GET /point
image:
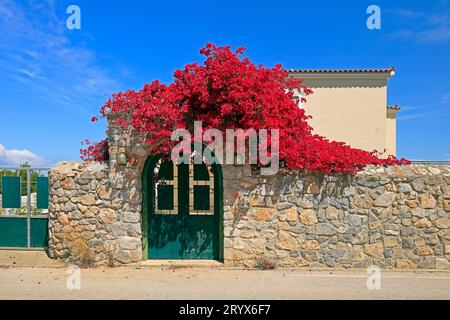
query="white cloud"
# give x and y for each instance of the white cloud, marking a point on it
(38, 53)
(425, 28)
(403, 12)
(435, 35)
(415, 112)
(446, 98)
(440, 34)
(17, 157)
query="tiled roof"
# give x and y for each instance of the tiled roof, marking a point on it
(342, 70)
(396, 107)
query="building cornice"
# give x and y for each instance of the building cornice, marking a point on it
(343, 73)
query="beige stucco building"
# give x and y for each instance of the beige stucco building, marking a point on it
(351, 106)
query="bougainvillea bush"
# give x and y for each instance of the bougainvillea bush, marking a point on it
(95, 151)
(228, 91)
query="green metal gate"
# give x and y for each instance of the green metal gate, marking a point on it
(23, 208)
(183, 210)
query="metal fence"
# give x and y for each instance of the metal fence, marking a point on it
(23, 207)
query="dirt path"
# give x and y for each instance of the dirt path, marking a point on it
(204, 283)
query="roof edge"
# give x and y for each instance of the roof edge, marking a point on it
(393, 108)
(385, 70)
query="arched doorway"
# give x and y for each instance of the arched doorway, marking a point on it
(182, 210)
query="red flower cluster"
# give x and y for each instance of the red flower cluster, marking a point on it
(230, 92)
(95, 151)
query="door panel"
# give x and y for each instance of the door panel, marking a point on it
(38, 232)
(183, 222)
(165, 237)
(201, 238)
(13, 232)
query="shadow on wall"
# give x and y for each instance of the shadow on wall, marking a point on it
(347, 83)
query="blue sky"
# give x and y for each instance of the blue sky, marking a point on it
(52, 79)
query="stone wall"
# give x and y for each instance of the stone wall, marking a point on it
(396, 217)
(88, 218)
(95, 209)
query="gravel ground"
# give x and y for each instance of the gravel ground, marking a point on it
(213, 283)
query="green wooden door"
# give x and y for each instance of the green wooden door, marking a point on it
(184, 212)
